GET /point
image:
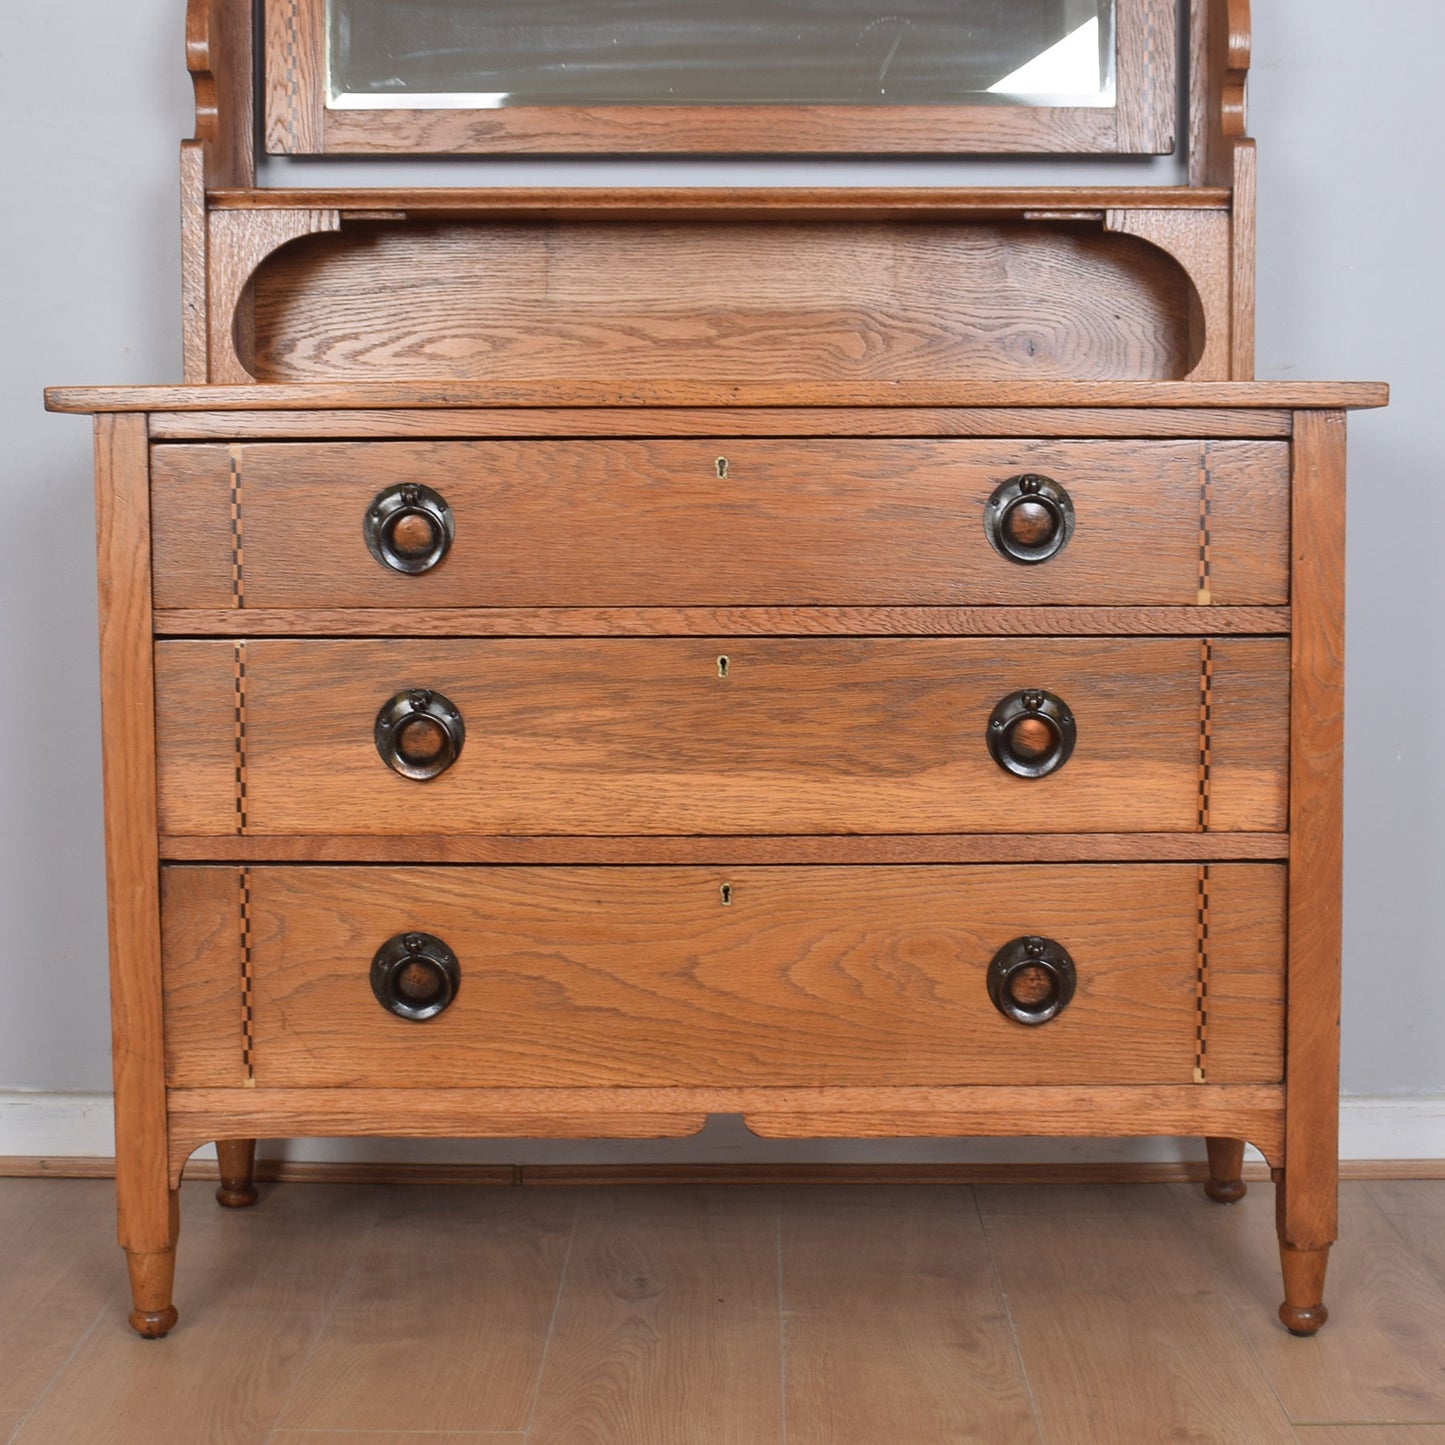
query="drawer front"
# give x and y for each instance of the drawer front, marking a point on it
(804, 976)
(741, 736)
(720, 522)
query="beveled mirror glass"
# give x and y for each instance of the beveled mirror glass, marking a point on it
(487, 54)
(720, 77)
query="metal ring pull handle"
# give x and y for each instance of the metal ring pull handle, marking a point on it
(415, 975)
(419, 733)
(1031, 980)
(1029, 518)
(1031, 733)
(408, 528)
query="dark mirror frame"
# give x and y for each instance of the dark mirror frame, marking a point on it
(1141, 122)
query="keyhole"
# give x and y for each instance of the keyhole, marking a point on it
(722, 469)
(723, 664)
(726, 892)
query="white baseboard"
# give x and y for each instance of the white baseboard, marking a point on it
(42, 1125)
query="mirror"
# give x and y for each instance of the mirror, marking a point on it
(487, 54)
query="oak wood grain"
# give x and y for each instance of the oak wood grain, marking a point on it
(713, 621)
(742, 421)
(1200, 243)
(1308, 1211)
(738, 849)
(219, 58)
(613, 736)
(752, 203)
(543, 393)
(201, 971)
(678, 301)
(1248, 1111)
(146, 1206)
(746, 523)
(794, 976)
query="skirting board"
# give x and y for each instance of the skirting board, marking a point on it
(73, 1133)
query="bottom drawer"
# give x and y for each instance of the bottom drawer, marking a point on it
(653, 976)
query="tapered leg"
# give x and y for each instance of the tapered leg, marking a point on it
(1303, 1310)
(1225, 1184)
(237, 1188)
(148, 1235)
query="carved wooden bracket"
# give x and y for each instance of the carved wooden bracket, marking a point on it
(1218, 79)
(238, 242)
(220, 58)
(1200, 242)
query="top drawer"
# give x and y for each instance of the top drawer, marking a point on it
(721, 522)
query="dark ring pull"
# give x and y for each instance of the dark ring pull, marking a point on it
(415, 975)
(1029, 518)
(408, 528)
(419, 733)
(1031, 733)
(1031, 980)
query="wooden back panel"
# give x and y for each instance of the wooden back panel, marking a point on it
(731, 301)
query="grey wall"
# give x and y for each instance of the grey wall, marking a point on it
(94, 98)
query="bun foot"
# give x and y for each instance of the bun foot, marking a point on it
(234, 1194)
(237, 1157)
(1225, 1191)
(1225, 1184)
(154, 1324)
(1303, 1322)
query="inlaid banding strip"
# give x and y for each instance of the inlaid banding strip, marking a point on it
(291, 48)
(1206, 729)
(238, 534)
(248, 1008)
(1201, 986)
(1206, 522)
(240, 739)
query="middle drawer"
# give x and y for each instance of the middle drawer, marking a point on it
(727, 736)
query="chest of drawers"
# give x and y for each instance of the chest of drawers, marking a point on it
(576, 662)
(468, 775)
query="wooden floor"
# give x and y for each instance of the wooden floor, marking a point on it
(846, 1315)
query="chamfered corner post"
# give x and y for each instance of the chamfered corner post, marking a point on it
(1308, 1185)
(147, 1210)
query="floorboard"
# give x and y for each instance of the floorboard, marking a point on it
(722, 1315)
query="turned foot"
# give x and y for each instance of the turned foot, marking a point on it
(1225, 1184)
(152, 1277)
(154, 1324)
(1303, 1311)
(237, 1157)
